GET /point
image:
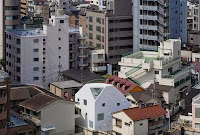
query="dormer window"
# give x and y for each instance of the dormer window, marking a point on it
(118, 85)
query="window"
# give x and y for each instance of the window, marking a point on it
(35, 50)
(197, 112)
(90, 27)
(35, 59)
(90, 36)
(35, 78)
(35, 40)
(85, 102)
(141, 124)
(10, 17)
(118, 104)
(18, 41)
(197, 125)
(156, 72)
(100, 116)
(103, 104)
(59, 57)
(160, 132)
(90, 124)
(100, 56)
(90, 19)
(59, 48)
(59, 38)
(36, 69)
(98, 37)
(61, 21)
(118, 123)
(127, 124)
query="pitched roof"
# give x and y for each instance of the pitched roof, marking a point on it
(159, 87)
(122, 82)
(82, 76)
(22, 93)
(137, 114)
(67, 84)
(141, 96)
(188, 100)
(37, 102)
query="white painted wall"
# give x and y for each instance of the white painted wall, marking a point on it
(110, 96)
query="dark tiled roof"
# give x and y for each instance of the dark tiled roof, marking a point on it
(128, 84)
(82, 76)
(67, 84)
(188, 100)
(37, 102)
(23, 93)
(159, 87)
(137, 114)
(141, 96)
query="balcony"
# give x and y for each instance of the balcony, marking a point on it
(177, 73)
(83, 54)
(99, 68)
(82, 46)
(31, 118)
(83, 64)
(157, 125)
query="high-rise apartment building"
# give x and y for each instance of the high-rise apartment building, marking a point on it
(10, 19)
(38, 56)
(157, 20)
(193, 19)
(111, 30)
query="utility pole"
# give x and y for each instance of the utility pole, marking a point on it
(59, 72)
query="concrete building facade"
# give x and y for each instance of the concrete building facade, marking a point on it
(37, 56)
(111, 30)
(156, 21)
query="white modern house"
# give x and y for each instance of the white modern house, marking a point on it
(95, 103)
(35, 56)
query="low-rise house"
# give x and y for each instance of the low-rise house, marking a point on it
(123, 85)
(65, 89)
(95, 103)
(82, 76)
(140, 121)
(51, 115)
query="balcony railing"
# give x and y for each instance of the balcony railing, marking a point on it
(177, 73)
(31, 118)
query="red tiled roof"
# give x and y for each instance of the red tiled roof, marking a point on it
(137, 114)
(128, 84)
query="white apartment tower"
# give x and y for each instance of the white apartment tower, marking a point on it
(37, 56)
(157, 20)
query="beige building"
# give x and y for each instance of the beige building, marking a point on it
(140, 121)
(111, 30)
(194, 37)
(65, 89)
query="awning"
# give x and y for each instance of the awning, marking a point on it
(48, 128)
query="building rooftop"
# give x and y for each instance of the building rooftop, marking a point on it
(141, 96)
(38, 102)
(149, 112)
(67, 84)
(123, 85)
(82, 76)
(159, 87)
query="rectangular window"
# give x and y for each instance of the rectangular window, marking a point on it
(100, 116)
(35, 40)
(90, 124)
(156, 72)
(118, 104)
(35, 50)
(197, 112)
(197, 125)
(61, 21)
(90, 19)
(35, 59)
(85, 102)
(36, 69)
(127, 124)
(90, 27)
(100, 56)
(90, 36)
(118, 123)
(35, 78)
